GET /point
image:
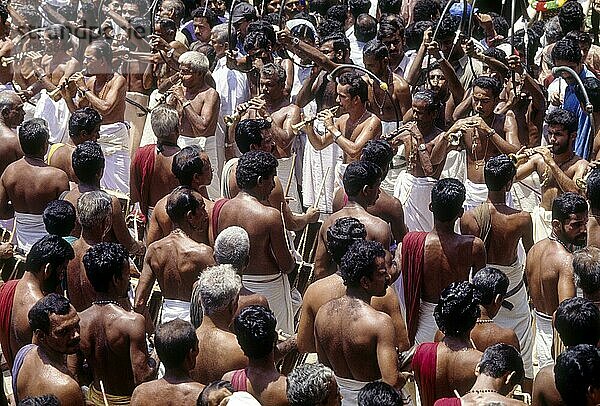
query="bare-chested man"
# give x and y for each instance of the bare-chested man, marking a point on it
(44, 272)
(593, 196)
(11, 116)
(414, 185)
(499, 370)
(431, 261)
(448, 366)
(340, 235)
(270, 259)
(177, 348)
(586, 269)
(151, 178)
(354, 128)
(219, 351)
(359, 348)
(177, 259)
(84, 125)
(557, 167)
(198, 105)
(27, 185)
(361, 183)
(6, 47)
(549, 267)
(113, 339)
(94, 211)
(192, 169)
(386, 207)
(577, 321)
(41, 367)
(502, 228)
(483, 135)
(104, 90)
(88, 164)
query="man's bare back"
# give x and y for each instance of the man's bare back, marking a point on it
(10, 149)
(170, 393)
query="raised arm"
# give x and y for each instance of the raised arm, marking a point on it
(305, 51)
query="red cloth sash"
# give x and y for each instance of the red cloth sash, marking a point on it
(215, 215)
(238, 380)
(7, 295)
(424, 366)
(143, 159)
(413, 250)
(448, 402)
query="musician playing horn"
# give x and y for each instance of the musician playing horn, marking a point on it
(557, 168)
(104, 90)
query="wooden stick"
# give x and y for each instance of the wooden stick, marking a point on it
(103, 393)
(289, 181)
(12, 235)
(316, 205)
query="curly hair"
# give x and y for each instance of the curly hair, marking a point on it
(458, 309)
(359, 261)
(252, 165)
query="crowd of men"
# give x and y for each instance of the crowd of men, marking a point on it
(196, 194)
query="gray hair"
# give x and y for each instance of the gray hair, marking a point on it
(218, 286)
(198, 61)
(232, 246)
(221, 34)
(274, 70)
(553, 30)
(93, 208)
(309, 384)
(164, 120)
(8, 99)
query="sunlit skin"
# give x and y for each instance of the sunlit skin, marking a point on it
(483, 102)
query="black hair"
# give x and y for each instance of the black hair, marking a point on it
(328, 28)
(204, 398)
(497, 54)
(342, 234)
(33, 135)
(264, 27)
(502, 359)
(59, 32)
(180, 202)
(380, 152)
(430, 97)
(4, 13)
(376, 48)
(255, 331)
(447, 27)
(388, 29)
(390, 6)
(413, 34)
(592, 87)
(358, 7)
(43, 400)
(566, 204)
(303, 31)
(566, 50)
(577, 321)
(337, 13)
(142, 26)
(458, 309)
(39, 314)
(339, 42)
(563, 117)
(186, 164)
(356, 85)
(499, 171)
(252, 165)
(359, 261)
(490, 282)
(586, 269)
(173, 342)
(365, 28)
(87, 161)
(103, 50)
(166, 24)
(426, 10)
(256, 40)
(447, 198)
(103, 262)
(59, 217)
(378, 394)
(50, 250)
(577, 370)
(359, 174)
(571, 16)
(593, 188)
(271, 18)
(84, 119)
(500, 24)
(488, 83)
(205, 12)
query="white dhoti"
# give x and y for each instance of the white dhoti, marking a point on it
(542, 223)
(174, 309)
(29, 228)
(544, 334)
(518, 318)
(136, 118)
(349, 389)
(427, 327)
(208, 145)
(455, 165)
(276, 288)
(398, 161)
(225, 175)
(415, 195)
(527, 193)
(56, 115)
(283, 173)
(477, 193)
(148, 136)
(114, 140)
(340, 169)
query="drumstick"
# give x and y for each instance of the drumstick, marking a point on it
(12, 235)
(103, 393)
(321, 188)
(289, 182)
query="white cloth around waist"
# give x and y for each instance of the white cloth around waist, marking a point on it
(175, 309)
(542, 223)
(276, 288)
(114, 138)
(56, 114)
(29, 228)
(544, 333)
(415, 195)
(349, 389)
(427, 327)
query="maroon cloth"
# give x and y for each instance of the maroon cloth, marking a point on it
(345, 199)
(215, 215)
(424, 365)
(143, 160)
(413, 250)
(448, 402)
(238, 380)
(7, 295)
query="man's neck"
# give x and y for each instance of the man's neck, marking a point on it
(497, 197)
(88, 187)
(355, 202)
(356, 112)
(188, 231)
(253, 193)
(57, 359)
(102, 78)
(91, 237)
(425, 128)
(564, 157)
(220, 320)
(34, 283)
(486, 314)
(485, 382)
(443, 227)
(276, 104)
(195, 88)
(177, 375)
(358, 293)
(456, 343)
(266, 364)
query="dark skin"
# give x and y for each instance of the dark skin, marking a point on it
(397, 87)
(544, 389)
(61, 158)
(10, 117)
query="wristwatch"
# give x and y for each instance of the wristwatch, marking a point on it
(337, 134)
(295, 41)
(422, 147)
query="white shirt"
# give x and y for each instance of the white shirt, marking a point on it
(231, 85)
(356, 47)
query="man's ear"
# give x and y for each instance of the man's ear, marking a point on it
(477, 368)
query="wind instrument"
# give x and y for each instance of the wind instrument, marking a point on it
(239, 111)
(55, 94)
(299, 126)
(454, 138)
(582, 182)
(527, 153)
